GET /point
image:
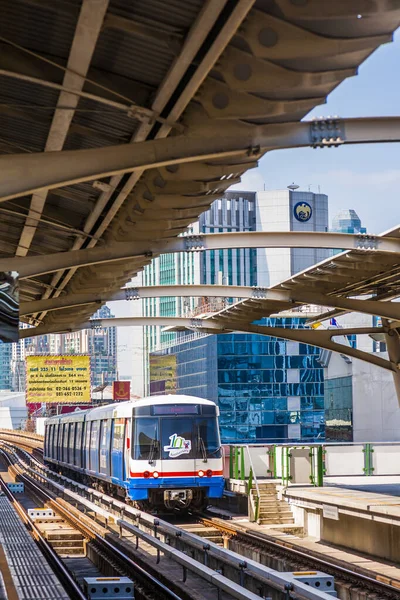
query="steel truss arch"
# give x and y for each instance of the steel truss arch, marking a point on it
(30, 266)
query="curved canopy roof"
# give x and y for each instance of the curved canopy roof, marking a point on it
(85, 74)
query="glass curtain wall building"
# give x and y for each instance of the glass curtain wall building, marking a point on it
(267, 389)
(234, 212)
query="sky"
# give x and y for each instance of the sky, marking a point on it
(363, 177)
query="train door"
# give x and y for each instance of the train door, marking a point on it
(105, 435)
(78, 445)
(94, 447)
(117, 450)
(178, 446)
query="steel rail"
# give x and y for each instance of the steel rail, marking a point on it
(287, 547)
(106, 545)
(261, 574)
(168, 528)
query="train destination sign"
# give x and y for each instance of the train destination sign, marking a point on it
(58, 379)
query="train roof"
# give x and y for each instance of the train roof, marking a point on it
(124, 409)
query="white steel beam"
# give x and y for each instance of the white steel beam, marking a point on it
(30, 266)
(319, 338)
(390, 310)
(25, 174)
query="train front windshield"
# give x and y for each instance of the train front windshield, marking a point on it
(169, 434)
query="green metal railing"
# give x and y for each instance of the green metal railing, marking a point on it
(237, 470)
(281, 462)
(368, 459)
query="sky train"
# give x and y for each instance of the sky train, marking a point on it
(159, 452)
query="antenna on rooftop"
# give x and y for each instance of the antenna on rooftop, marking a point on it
(293, 186)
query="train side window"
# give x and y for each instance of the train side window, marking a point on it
(118, 435)
(57, 441)
(94, 446)
(49, 432)
(50, 450)
(105, 432)
(72, 433)
(46, 439)
(87, 444)
(78, 444)
(65, 442)
(146, 439)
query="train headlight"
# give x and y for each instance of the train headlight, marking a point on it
(155, 474)
(146, 474)
(201, 473)
(209, 473)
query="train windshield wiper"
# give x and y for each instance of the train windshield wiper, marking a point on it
(202, 447)
(153, 449)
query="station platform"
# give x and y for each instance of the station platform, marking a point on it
(24, 572)
(356, 513)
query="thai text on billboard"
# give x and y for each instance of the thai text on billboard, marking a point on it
(58, 379)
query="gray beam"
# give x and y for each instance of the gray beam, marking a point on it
(390, 310)
(25, 174)
(31, 266)
(319, 338)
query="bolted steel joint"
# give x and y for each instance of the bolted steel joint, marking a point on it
(366, 242)
(259, 292)
(327, 132)
(194, 243)
(196, 323)
(96, 324)
(132, 293)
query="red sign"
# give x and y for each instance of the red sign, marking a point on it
(121, 390)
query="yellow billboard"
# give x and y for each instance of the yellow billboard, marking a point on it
(58, 379)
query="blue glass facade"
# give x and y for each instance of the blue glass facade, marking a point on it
(268, 390)
(347, 221)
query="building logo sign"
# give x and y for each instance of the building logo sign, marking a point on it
(177, 446)
(302, 212)
(121, 390)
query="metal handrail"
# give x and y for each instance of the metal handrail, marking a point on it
(254, 476)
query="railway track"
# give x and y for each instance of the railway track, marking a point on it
(245, 541)
(196, 564)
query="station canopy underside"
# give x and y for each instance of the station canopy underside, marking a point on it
(92, 74)
(361, 280)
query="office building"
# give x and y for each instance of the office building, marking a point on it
(347, 221)
(346, 396)
(267, 389)
(289, 210)
(234, 212)
(100, 343)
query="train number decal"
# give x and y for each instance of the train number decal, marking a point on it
(177, 446)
